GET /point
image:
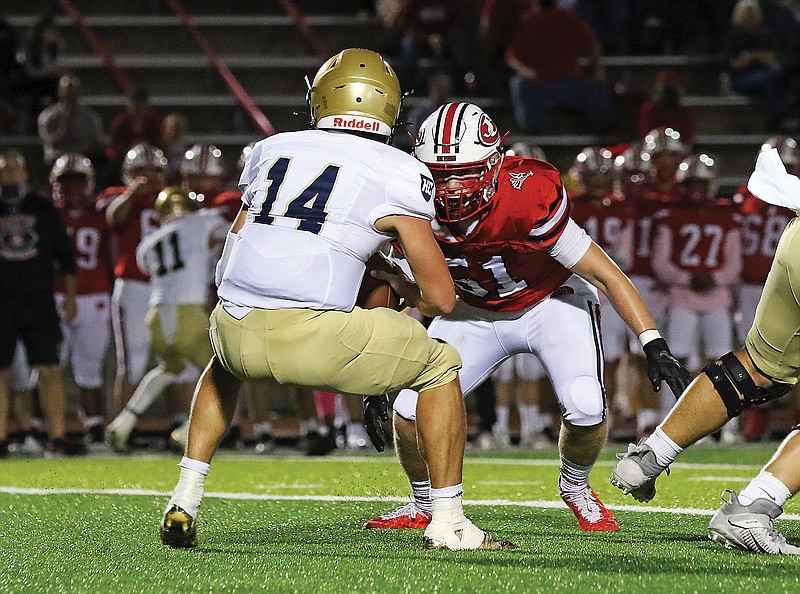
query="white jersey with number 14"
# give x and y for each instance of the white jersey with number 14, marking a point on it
(312, 200)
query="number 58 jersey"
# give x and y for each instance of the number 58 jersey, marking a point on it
(312, 200)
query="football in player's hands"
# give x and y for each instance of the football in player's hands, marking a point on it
(375, 292)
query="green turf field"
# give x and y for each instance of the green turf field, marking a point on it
(293, 524)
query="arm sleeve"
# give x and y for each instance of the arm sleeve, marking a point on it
(571, 245)
(663, 267)
(731, 269)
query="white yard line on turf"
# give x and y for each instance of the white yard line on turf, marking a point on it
(491, 461)
(339, 498)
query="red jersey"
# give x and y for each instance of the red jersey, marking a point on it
(91, 244)
(762, 225)
(698, 235)
(603, 221)
(502, 264)
(142, 219)
(643, 213)
(229, 202)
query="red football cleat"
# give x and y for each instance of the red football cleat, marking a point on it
(408, 516)
(592, 515)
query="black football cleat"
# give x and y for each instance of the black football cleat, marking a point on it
(178, 528)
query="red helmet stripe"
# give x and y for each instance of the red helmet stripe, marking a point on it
(448, 131)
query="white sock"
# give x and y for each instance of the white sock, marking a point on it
(150, 388)
(574, 478)
(646, 418)
(765, 486)
(422, 495)
(447, 505)
(309, 426)
(664, 448)
(530, 419)
(188, 492)
(502, 418)
(262, 429)
(90, 422)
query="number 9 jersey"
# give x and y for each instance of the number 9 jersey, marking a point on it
(312, 200)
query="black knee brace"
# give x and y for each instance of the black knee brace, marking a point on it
(736, 388)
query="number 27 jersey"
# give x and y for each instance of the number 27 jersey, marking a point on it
(312, 199)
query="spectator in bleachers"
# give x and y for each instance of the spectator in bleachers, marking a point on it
(10, 73)
(432, 29)
(39, 59)
(498, 22)
(754, 64)
(665, 108)
(545, 78)
(440, 91)
(34, 243)
(138, 124)
(69, 127)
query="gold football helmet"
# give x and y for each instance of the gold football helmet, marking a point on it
(357, 91)
(173, 202)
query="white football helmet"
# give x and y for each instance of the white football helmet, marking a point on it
(71, 165)
(698, 173)
(523, 149)
(593, 170)
(634, 171)
(203, 159)
(143, 160)
(460, 141)
(664, 140)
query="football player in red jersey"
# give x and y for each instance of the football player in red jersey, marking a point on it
(86, 336)
(527, 277)
(605, 216)
(129, 210)
(697, 253)
(660, 154)
(762, 225)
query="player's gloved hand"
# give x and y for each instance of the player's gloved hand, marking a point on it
(376, 412)
(663, 366)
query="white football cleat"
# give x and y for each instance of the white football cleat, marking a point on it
(749, 527)
(119, 431)
(466, 536)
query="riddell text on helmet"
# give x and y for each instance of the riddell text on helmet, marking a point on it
(356, 123)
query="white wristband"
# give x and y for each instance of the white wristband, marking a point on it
(649, 336)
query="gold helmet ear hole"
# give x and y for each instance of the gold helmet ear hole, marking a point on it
(363, 65)
(358, 99)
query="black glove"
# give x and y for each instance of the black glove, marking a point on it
(376, 411)
(663, 366)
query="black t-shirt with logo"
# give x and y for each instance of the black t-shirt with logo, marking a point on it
(33, 241)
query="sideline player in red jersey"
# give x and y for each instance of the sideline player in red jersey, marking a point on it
(86, 336)
(130, 212)
(697, 254)
(605, 216)
(527, 277)
(663, 150)
(762, 225)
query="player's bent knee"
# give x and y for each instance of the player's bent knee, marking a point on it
(441, 368)
(405, 405)
(736, 387)
(583, 402)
